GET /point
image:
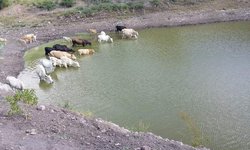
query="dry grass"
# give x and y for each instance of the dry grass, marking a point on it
(21, 13)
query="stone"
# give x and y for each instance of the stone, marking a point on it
(33, 132)
(117, 144)
(41, 107)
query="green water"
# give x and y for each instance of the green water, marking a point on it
(190, 84)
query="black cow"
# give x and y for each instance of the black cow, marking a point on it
(119, 28)
(76, 41)
(48, 50)
(64, 48)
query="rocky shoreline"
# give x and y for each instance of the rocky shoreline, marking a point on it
(56, 128)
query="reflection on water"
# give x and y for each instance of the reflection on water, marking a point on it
(203, 71)
(193, 128)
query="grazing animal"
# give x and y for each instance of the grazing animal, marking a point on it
(48, 65)
(15, 83)
(103, 33)
(42, 74)
(56, 61)
(92, 31)
(5, 87)
(75, 64)
(28, 38)
(48, 50)
(64, 48)
(59, 54)
(69, 62)
(76, 41)
(86, 51)
(119, 28)
(68, 39)
(129, 33)
(104, 37)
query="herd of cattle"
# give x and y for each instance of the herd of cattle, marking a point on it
(63, 56)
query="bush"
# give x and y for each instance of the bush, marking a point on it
(26, 96)
(107, 6)
(99, 1)
(5, 3)
(46, 4)
(135, 5)
(67, 3)
(85, 11)
(155, 3)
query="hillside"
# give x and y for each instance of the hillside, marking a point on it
(31, 13)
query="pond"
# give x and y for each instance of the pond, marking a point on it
(190, 84)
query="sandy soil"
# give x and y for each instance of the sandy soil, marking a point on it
(59, 129)
(56, 128)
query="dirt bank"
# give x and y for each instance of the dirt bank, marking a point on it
(56, 128)
(59, 129)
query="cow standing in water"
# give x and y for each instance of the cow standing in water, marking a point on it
(77, 41)
(119, 28)
(64, 48)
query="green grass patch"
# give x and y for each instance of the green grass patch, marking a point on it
(26, 96)
(5, 3)
(105, 7)
(46, 4)
(67, 3)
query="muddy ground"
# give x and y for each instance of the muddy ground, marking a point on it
(56, 128)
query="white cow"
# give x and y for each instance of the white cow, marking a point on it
(5, 87)
(85, 51)
(129, 33)
(42, 74)
(56, 61)
(104, 37)
(69, 62)
(68, 39)
(48, 65)
(15, 83)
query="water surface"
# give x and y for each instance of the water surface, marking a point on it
(185, 83)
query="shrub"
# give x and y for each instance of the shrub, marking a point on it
(85, 11)
(67, 3)
(107, 6)
(46, 4)
(5, 3)
(155, 3)
(135, 5)
(100, 1)
(26, 96)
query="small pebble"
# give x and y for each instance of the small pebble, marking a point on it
(33, 132)
(117, 144)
